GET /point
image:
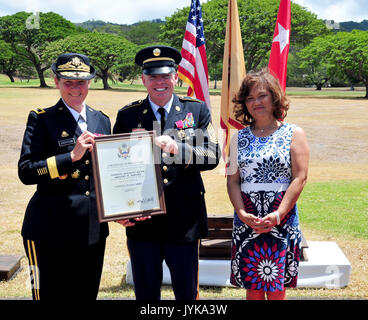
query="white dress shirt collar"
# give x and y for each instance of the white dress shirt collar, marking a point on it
(75, 113)
(155, 107)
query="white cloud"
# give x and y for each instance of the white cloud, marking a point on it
(338, 10)
(117, 11)
(131, 11)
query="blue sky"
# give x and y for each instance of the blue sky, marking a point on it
(131, 11)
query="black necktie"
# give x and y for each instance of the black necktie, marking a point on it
(161, 111)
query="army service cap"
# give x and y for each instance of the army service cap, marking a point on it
(73, 66)
(158, 60)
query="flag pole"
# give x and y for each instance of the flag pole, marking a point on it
(233, 73)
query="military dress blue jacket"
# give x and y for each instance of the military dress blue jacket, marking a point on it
(63, 208)
(189, 123)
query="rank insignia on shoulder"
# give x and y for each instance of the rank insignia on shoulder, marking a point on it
(105, 114)
(38, 111)
(133, 104)
(185, 98)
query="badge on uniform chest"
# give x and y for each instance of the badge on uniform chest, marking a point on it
(185, 127)
(66, 142)
(185, 134)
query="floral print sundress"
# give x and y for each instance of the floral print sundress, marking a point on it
(267, 261)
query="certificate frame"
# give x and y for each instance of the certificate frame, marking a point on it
(131, 203)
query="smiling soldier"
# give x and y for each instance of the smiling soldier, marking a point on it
(188, 145)
(63, 239)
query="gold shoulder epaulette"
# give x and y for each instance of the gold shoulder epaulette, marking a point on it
(185, 98)
(133, 104)
(38, 111)
(105, 114)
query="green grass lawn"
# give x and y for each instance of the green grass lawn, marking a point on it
(336, 208)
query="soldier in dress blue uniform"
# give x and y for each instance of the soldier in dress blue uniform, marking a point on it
(63, 238)
(188, 145)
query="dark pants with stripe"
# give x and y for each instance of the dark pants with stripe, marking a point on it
(67, 271)
(146, 260)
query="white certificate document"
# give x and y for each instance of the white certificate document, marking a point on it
(128, 179)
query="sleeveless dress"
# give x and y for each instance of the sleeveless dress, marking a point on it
(267, 261)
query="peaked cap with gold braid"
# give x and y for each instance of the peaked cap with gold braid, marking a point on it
(158, 59)
(73, 66)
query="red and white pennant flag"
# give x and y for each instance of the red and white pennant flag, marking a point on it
(280, 45)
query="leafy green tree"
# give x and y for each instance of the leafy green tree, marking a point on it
(343, 55)
(144, 32)
(29, 34)
(8, 60)
(315, 61)
(349, 55)
(106, 52)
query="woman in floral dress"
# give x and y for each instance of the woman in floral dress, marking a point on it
(266, 174)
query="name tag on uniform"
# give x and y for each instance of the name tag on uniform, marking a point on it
(66, 142)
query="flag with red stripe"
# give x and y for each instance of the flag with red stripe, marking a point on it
(280, 44)
(193, 67)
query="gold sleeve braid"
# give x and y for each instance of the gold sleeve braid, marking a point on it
(51, 165)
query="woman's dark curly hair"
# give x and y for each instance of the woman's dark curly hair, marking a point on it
(264, 79)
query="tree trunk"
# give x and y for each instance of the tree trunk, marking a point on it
(319, 86)
(366, 91)
(10, 75)
(105, 83)
(41, 76)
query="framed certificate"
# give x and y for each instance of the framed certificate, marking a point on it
(127, 176)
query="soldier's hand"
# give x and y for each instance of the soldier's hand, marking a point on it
(130, 222)
(167, 144)
(85, 142)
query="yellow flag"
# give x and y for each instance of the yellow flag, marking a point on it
(233, 72)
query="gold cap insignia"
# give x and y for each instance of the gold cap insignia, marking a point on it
(64, 134)
(74, 68)
(130, 203)
(156, 52)
(76, 64)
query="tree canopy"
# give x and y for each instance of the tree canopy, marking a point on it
(107, 52)
(33, 41)
(29, 35)
(344, 54)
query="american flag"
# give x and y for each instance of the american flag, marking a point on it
(193, 67)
